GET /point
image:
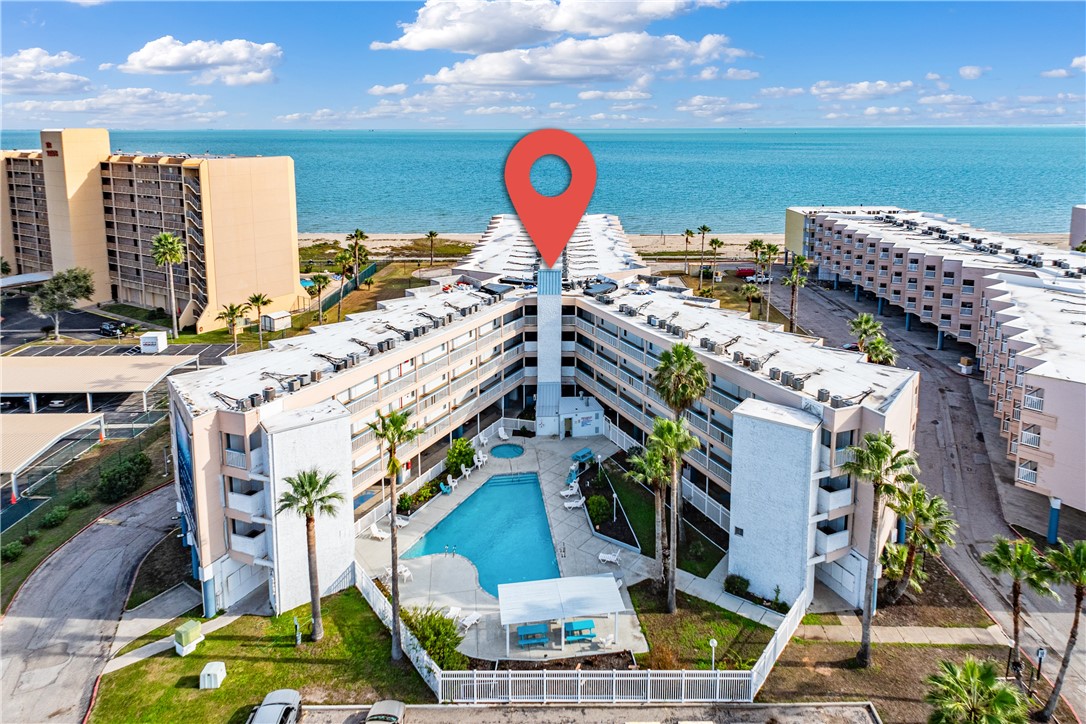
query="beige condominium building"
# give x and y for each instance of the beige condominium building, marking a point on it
(1021, 305)
(578, 344)
(74, 203)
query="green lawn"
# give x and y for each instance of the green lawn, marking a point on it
(140, 313)
(350, 665)
(164, 630)
(685, 634)
(821, 619)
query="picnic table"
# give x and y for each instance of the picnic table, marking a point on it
(584, 455)
(533, 635)
(584, 630)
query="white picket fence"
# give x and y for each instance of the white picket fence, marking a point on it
(780, 639)
(708, 507)
(618, 437)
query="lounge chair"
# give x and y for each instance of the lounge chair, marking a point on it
(578, 503)
(453, 612)
(570, 491)
(468, 469)
(609, 557)
(446, 489)
(453, 482)
(405, 573)
(470, 620)
(502, 434)
(376, 533)
(402, 521)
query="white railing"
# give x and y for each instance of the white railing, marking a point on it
(842, 456)
(833, 499)
(1031, 439)
(1033, 402)
(779, 641)
(1027, 476)
(255, 546)
(708, 507)
(248, 503)
(830, 542)
(235, 459)
(618, 437)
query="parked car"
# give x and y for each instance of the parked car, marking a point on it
(762, 279)
(851, 347)
(389, 710)
(282, 706)
(58, 402)
(111, 329)
(743, 273)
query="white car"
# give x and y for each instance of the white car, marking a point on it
(761, 279)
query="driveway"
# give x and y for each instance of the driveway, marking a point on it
(57, 632)
(21, 326)
(957, 464)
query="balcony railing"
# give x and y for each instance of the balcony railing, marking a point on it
(842, 456)
(254, 545)
(1031, 439)
(1027, 476)
(235, 459)
(829, 542)
(1033, 402)
(251, 503)
(834, 499)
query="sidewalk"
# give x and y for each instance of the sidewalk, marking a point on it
(851, 631)
(166, 644)
(148, 616)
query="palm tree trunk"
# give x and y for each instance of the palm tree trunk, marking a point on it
(259, 327)
(431, 252)
(899, 588)
(686, 257)
(234, 333)
(314, 585)
(339, 312)
(795, 308)
(397, 645)
(679, 499)
(750, 304)
(661, 536)
(768, 296)
(1054, 698)
(863, 656)
(701, 262)
(673, 543)
(173, 299)
(1016, 615)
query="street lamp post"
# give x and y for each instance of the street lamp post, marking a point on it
(712, 645)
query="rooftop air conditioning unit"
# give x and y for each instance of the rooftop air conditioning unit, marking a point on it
(797, 383)
(679, 332)
(315, 375)
(243, 404)
(755, 365)
(786, 378)
(774, 373)
(669, 327)
(255, 399)
(719, 348)
(737, 357)
(304, 379)
(448, 318)
(661, 323)
(390, 343)
(836, 401)
(408, 335)
(465, 311)
(652, 320)
(294, 384)
(269, 394)
(823, 395)
(706, 343)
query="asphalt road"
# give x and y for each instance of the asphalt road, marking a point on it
(57, 632)
(20, 326)
(955, 464)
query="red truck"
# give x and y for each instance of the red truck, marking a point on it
(745, 272)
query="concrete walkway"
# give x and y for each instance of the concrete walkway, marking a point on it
(851, 631)
(148, 616)
(165, 644)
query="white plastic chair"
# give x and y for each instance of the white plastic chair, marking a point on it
(470, 620)
(502, 434)
(376, 533)
(571, 505)
(609, 557)
(570, 491)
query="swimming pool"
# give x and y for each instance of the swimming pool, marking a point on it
(507, 450)
(502, 528)
(306, 283)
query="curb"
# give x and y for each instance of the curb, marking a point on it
(132, 583)
(93, 698)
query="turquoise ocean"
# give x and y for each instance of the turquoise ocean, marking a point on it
(736, 181)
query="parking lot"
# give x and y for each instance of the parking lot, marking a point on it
(209, 354)
(21, 326)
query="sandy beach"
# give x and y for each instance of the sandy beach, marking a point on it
(734, 244)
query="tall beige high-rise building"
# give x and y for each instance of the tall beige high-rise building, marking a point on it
(73, 203)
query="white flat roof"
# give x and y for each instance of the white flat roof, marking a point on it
(99, 374)
(779, 414)
(556, 599)
(25, 437)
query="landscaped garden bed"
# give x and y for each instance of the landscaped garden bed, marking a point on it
(408, 504)
(943, 602)
(600, 502)
(598, 662)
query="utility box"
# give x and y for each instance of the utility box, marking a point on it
(275, 321)
(153, 342)
(965, 365)
(186, 637)
(212, 675)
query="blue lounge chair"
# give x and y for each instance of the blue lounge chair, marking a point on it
(446, 489)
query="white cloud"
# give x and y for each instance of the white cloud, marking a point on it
(623, 95)
(780, 92)
(614, 57)
(947, 99)
(1079, 63)
(500, 110)
(713, 106)
(431, 103)
(972, 72)
(932, 76)
(129, 106)
(231, 62)
(388, 90)
(829, 90)
(835, 116)
(709, 72)
(887, 111)
(487, 26)
(32, 71)
(1058, 98)
(622, 107)
(741, 74)
(1056, 73)
(561, 106)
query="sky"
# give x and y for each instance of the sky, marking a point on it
(500, 64)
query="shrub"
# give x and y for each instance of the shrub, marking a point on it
(124, 478)
(438, 634)
(736, 585)
(11, 551)
(598, 509)
(30, 536)
(81, 499)
(461, 455)
(403, 503)
(55, 516)
(696, 550)
(662, 658)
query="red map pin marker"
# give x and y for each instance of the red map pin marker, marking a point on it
(550, 220)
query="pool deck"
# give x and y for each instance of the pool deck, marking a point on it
(451, 580)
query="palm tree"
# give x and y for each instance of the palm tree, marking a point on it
(232, 314)
(167, 250)
(432, 237)
(672, 440)
(797, 277)
(886, 469)
(392, 430)
(1068, 564)
(1026, 566)
(893, 561)
(358, 251)
(864, 327)
(680, 379)
(769, 255)
(755, 246)
(311, 495)
(688, 234)
(5, 267)
(973, 694)
(750, 292)
(258, 301)
(930, 525)
(650, 470)
(881, 352)
(703, 229)
(343, 260)
(716, 245)
(320, 283)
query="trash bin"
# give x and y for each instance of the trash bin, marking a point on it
(213, 674)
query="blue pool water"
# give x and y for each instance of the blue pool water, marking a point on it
(363, 497)
(502, 528)
(305, 283)
(507, 450)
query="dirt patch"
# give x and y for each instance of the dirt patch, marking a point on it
(168, 564)
(617, 528)
(944, 602)
(605, 662)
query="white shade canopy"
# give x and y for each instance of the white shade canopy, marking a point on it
(556, 599)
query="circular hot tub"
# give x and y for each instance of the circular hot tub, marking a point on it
(507, 450)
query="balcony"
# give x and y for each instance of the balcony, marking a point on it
(720, 472)
(1027, 476)
(235, 459)
(1031, 439)
(254, 543)
(944, 323)
(1033, 402)
(925, 314)
(828, 540)
(251, 503)
(842, 456)
(834, 499)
